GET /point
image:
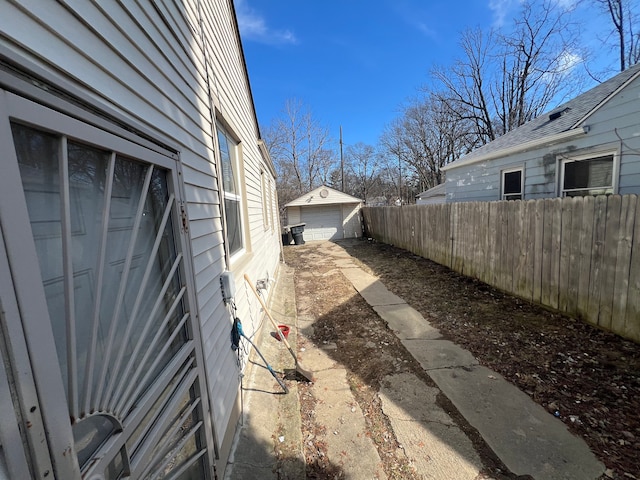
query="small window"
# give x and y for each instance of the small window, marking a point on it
(588, 176)
(512, 184)
(228, 148)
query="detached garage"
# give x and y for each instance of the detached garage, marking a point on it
(327, 214)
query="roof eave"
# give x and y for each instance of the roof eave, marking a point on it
(523, 147)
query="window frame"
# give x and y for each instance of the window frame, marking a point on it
(265, 188)
(563, 160)
(503, 173)
(235, 156)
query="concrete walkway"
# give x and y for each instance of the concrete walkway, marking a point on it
(527, 439)
(268, 443)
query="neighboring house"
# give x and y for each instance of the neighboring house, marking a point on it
(327, 214)
(432, 196)
(589, 145)
(133, 176)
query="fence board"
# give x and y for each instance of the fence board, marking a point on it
(455, 239)
(586, 246)
(573, 276)
(485, 238)
(612, 238)
(512, 249)
(499, 240)
(623, 263)
(494, 246)
(538, 251)
(565, 254)
(547, 247)
(632, 315)
(597, 248)
(556, 232)
(446, 214)
(527, 252)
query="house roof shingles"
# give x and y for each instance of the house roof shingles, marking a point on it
(571, 113)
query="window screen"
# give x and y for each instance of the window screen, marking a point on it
(512, 185)
(592, 176)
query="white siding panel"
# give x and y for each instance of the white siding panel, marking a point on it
(200, 228)
(196, 178)
(202, 211)
(205, 242)
(201, 194)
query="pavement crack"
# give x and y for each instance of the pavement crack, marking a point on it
(466, 368)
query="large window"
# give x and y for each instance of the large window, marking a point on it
(512, 181)
(587, 176)
(231, 189)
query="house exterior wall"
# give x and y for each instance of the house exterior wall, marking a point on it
(615, 126)
(168, 70)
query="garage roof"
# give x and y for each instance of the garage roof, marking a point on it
(323, 196)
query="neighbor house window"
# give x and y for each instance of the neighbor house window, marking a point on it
(512, 184)
(587, 176)
(231, 189)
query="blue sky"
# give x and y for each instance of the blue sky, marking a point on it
(354, 62)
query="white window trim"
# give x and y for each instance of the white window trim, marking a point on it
(564, 159)
(511, 170)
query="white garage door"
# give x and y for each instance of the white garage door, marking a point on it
(323, 222)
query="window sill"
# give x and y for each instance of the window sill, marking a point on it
(241, 262)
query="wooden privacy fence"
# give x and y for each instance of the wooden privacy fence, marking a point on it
(579, 255)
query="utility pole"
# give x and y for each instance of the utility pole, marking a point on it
(399, 180)
(341, 159)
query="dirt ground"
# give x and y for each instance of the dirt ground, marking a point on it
(588, 378)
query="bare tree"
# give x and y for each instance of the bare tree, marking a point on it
(394, 157)
(506, 79)
(362, 163)
(625, 25)
(426, 137)
(466, 84)
(301, 150)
